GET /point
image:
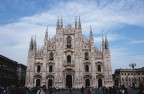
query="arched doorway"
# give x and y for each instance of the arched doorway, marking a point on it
(87, 82)
(69, 81)
(37, 82)
(99, 83)
(50, 82)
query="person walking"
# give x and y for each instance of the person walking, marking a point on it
(7, 90)
(89, 91)
(70, 90)
(82, 90)
(40, 91)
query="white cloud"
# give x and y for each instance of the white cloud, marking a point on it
(110, 37)
(121, 58)
(137, 42)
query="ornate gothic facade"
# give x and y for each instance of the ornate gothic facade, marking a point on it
(69, 59)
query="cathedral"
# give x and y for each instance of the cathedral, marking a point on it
(69, 60)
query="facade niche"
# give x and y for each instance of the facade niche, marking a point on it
(38, 68)
(50, 68)
(69, 42)
(86, 56)
(68, 59)
(87, 68)
(51, 56)
(99, 68)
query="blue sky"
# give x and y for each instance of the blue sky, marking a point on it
(121, 20)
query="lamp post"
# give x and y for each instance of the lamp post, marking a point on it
(132, 65)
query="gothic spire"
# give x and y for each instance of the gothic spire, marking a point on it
(37, 51)
(75, 22)
(106, 43)
(31, 44)
(61, 23)
(103, 43)
(49, 40)
(91, 34)
(46, 37)
(58, 24)
(79, 23)
(35, 44)
(46, 34)
(35, 39)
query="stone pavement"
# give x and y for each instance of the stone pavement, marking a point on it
(131, 91)
(76, 92)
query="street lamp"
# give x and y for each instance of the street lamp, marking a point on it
(133, 65)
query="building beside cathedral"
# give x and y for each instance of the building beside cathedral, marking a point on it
(129, 77)
(68, 59)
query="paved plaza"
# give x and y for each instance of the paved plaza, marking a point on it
(131, 91)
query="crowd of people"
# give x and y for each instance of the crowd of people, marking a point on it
(50, 90)
(104, 90)
(24, 90)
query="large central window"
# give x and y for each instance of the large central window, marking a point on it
(86, 56)
(99, 68)
(87, 68)
(68, 59)
(69, 42)
(51, 56)
(38, 68)
(50, 68)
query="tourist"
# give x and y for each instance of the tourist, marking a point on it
(40, 91)
(82, 90)
(70, 90)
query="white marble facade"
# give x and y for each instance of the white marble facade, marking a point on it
(68, 59)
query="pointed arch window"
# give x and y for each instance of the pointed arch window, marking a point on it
(87, 68)
(86, 56)
(69, 39)
(99, 68)
(51, 56)
(68, 59)
(126, 79)
(38, 68)
(129, 79)
(50, 68)
(122, 79)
